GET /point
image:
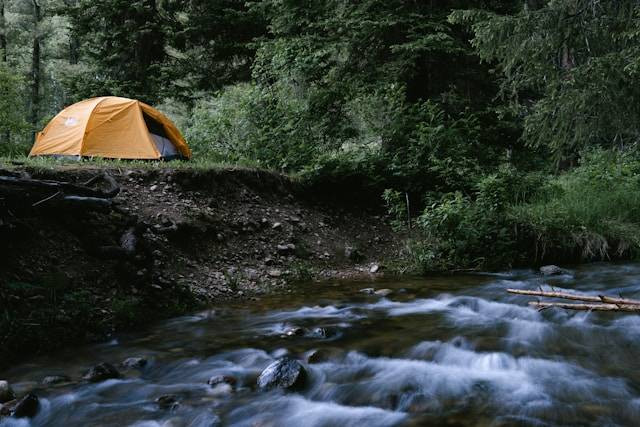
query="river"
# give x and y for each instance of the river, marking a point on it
(454, 350)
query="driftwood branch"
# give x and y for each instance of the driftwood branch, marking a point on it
(586, 307)
(589, 302)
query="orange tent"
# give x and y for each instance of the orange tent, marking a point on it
(111, 127)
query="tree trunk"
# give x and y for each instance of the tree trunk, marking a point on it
(3, 32)
(6, 135)
(74, 43)
(35, 65)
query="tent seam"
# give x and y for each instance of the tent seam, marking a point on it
(86, 125)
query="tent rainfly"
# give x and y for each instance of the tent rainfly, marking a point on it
(111, 127)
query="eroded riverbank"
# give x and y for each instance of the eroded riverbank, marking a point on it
(450, 350)
(201, 236)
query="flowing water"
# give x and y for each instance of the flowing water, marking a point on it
(439, 351)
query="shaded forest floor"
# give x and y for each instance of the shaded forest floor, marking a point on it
(202, 236)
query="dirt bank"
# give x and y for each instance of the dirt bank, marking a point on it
(200, 236)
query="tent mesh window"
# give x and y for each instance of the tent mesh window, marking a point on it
(163, 144)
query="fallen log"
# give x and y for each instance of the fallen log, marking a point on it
(574, 296)
(585, 307)
(589, 302)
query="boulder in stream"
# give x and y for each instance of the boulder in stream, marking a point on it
(286, 373)
(167, 401)
(552, 270)
(6, 392)
(134, 363)
(27, 407)
(101, 372)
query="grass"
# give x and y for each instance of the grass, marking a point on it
(52, 163)
(593, 210)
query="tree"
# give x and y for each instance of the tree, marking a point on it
(35, 64)
(11, 117)
(570, 67)
(210, 45)
(123, 43)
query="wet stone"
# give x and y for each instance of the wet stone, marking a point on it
(325, 354)
(101, 372)
(134, 363)
(383, 292)
(552, 270)
(55, 379)
(167, 401)
(284, 373)
(27, 407)
(294, 331)
(222, 379)
(368, 291)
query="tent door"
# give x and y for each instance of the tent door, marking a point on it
(163, 144)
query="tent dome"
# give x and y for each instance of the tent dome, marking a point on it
(111, 127)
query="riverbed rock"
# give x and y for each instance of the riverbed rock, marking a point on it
(27, 407)
(167, 401)
(552, 270)
(286, 373)
(383, 292)
(294, 331)
(134, 363)
(222, 379)
(368, 291)
(6, 392)
(374, 269)
(101, 372)
(55, 379)
(325, 354)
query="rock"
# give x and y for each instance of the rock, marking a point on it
(6, 392)
(222, 379)
(276, 225)
(275, 273)
(101, 372)
(353, 254)
(167, 401)
(269, 261)
(134, 363)
(284, 373)
(375, 268)
(368, 291)
(55, 379)
(552, 270)
(383, 292)
(289, 248)
(153, 187)
(319, 333)
(27, 407)
(325, 354)
(294, 331)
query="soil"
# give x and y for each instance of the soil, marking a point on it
(202, 236)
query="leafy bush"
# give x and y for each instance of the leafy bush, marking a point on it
(477, 230)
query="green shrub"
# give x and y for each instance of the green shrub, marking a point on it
(589, 213)
(477, 230)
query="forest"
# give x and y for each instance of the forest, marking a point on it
(508, 125)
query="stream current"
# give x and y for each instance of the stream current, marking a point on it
(455, 351)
